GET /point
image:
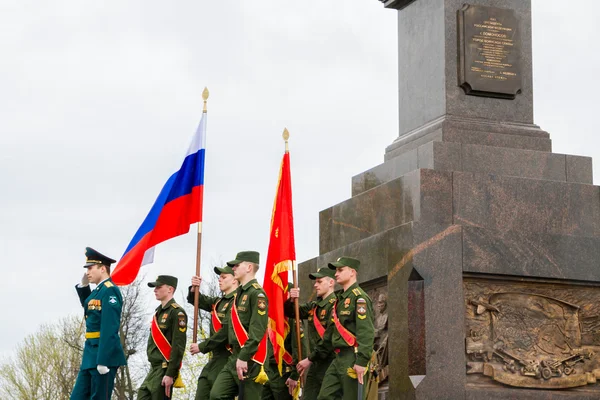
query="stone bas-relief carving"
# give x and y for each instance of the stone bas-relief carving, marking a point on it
(378, 296)
(533, 335)
(381, 335)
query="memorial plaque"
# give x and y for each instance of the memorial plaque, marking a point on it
(489, 49)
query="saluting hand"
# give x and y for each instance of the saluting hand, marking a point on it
(84, 280)
(196, 280)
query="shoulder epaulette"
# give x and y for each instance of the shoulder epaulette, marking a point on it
(256, 286)
(356, 291)
(174, 305)
(108, 284)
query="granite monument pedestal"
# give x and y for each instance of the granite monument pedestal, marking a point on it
(484, 242)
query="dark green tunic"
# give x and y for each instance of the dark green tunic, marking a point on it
(252, 306)
(321, 355)
(219, 350)
(355, 312)
(172, 321)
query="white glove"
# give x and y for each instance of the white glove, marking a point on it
(102, 369)
(84, 280)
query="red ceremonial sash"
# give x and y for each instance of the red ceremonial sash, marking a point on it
(348, 337)
(242, 336)
(216, 322)
(160, 340)
(317, 323)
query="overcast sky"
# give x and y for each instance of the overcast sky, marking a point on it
(98, 102)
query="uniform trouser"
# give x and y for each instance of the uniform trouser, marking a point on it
(152, 388)
(227, 384)
(336, 382)
(275, 388)
(209, 374)
(91, 385)
(314, 379)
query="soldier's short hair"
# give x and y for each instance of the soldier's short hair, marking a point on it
(254, 267)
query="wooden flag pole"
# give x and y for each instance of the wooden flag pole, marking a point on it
(198, 250)
(286, 136)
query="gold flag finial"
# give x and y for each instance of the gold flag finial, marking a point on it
(205, 94)
(286, 136)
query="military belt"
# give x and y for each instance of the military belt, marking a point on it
(92, 335)
(340, 351)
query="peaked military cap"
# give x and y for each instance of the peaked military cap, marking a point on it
(249, 256)
(345, 262)
(164, 280)
(322, 273)
(93, 257)
(225, 270)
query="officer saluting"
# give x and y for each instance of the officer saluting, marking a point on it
(166, 344)
(102, 352)
(351, 334)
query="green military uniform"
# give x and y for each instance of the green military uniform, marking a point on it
(172, 322)
(275, 388)
(102, 308)
(252, 306)
(321, 354)
(219, 350)
(355, 313)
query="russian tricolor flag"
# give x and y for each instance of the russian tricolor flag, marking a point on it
(178, 205)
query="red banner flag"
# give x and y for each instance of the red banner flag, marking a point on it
(281, 255)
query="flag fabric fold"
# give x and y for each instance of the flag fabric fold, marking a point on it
(280, 258)
(178, 205)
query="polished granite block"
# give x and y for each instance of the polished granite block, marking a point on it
(402, 198)
(531, 255)
(509, 204)
(472, 131)
(579, 169)
(513, 162)
(385, 172)
(450, 156)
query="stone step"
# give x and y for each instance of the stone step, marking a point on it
(388, 205)
(500, 203)
(472, 131)
(449, 156)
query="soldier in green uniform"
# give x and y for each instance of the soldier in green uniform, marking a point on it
(282, 386)
(242, 373)
(166, 343)
(318, 314)
(102, 352)
(219, 307)
(351, 334)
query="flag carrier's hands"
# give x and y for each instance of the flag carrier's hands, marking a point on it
(303, 365)
(194, 349)
(294, 293)
(196, 280)
(291, 384)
